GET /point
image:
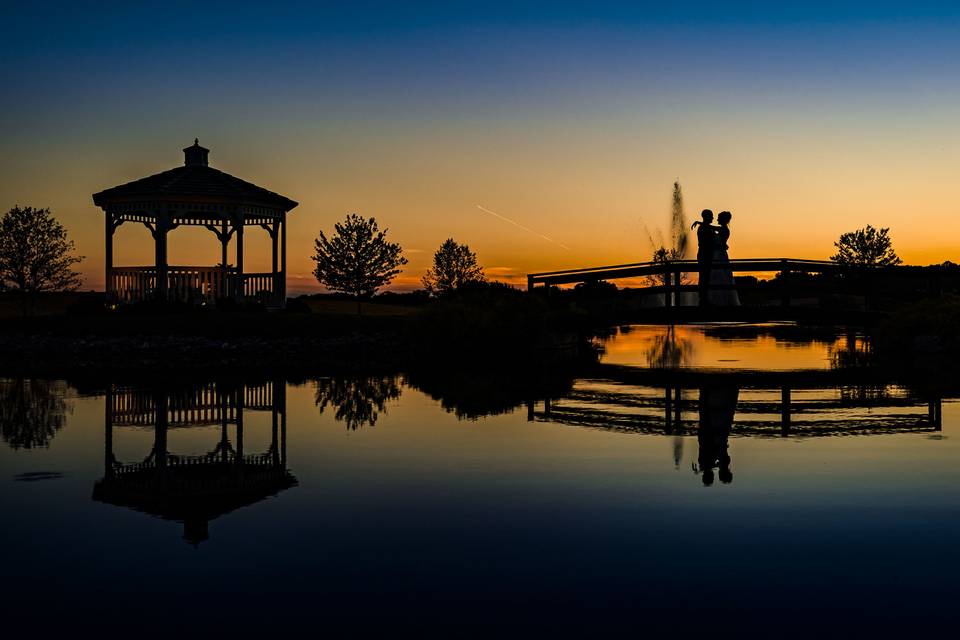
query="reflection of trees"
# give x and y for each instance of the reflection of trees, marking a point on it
(853, 353)
(667, 350)
(471, 395)
(865, 393)
(357, 401)
(31, 411)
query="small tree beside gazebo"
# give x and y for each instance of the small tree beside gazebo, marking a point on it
(196, 194)
(357, 259)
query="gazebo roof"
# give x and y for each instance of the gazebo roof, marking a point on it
(195, 180)
(193, 495)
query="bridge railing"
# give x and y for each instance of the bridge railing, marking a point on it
(667, 278)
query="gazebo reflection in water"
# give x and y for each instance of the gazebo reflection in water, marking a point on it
(195, 489)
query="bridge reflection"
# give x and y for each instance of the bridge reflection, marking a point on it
(759, 410)
(721, 406)
(194, 489)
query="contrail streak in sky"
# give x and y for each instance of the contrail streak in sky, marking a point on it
(520, 226)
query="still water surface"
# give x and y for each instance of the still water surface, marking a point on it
(421, 498)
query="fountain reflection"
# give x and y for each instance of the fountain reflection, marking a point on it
(667, 350)
(194, 489)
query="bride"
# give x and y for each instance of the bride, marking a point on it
(722, 293)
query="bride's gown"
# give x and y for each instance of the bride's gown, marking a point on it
(721, 275)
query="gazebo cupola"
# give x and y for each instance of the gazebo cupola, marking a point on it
(196, 194)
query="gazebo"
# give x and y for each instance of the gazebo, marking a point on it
(196, 194)
(194, 489)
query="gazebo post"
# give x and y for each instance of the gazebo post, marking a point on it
(160, 429)
(274, 424)
(108, 256)
(283, 259)
(238, 287)
(241, 403)
(224, 241)
(108, 427)
(274, 232)
(281, 394)
(160, 242)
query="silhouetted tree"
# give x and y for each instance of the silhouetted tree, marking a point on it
(663, 255)
(35, 254)
(31, 412)
(358, 259)
(454, 265)
(867, 247)
(358, 401)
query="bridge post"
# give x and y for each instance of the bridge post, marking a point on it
(667, 279)
(785, 411)
(677, 283)
(785, 284)
(529, 283)
(667, 409)
(678, 398)
(934, 408)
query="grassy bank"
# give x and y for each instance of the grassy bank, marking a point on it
(486, 324)
(924, 335)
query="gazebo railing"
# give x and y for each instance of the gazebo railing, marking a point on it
(198, 284)
(132, 284)
(258, 285)
(191, 284)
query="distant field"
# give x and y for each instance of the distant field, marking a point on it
(338, 307)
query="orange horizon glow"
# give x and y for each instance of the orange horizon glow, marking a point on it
(554, 227)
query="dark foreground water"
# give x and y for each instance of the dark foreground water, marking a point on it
(481, 503)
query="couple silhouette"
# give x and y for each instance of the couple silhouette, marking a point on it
(718, 407)
(715, 286)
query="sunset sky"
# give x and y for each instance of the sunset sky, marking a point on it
(572, 119)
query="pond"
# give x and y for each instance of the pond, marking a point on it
(743, 476)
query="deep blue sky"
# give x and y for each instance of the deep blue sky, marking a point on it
(838, 113)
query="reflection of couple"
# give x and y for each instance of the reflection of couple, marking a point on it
(718, 405)
(716, 286)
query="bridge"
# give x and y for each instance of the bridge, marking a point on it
(672, 288)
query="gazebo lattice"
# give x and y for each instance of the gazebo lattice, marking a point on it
(199, 195)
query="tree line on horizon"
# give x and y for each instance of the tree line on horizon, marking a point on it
(356, 259)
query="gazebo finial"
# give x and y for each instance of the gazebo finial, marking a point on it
(195, 155)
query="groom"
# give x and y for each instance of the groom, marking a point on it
(706, 241)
